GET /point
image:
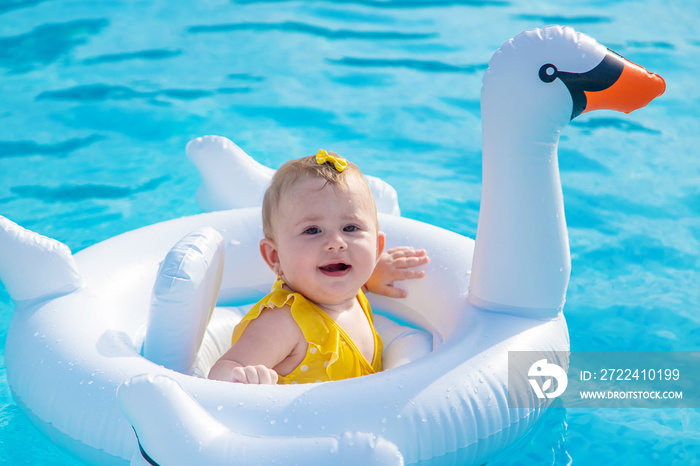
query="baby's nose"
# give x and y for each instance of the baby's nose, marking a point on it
(336, 241)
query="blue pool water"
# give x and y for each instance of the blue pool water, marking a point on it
(98, 100)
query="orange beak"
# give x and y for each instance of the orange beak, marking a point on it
(634, 89)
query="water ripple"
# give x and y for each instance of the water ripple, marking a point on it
(17, 4)
(153, 54)
(639, 249)
(26, 148)
(362, 80)
(625, 125)
(651, 45)
(45, 44)
(186, 94)
(77, 193)
(560, 19)
(245, 77)
(421, 65)
(293, 26)
(590, 211)
(473, 106)
(692, 201)
(403, 3)
(300, 117)
(94, 92)
(289, 116)
(233, 90)
(103, 92)
(575, 161)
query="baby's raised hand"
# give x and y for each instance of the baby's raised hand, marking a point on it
(396, 264)
(254, 374)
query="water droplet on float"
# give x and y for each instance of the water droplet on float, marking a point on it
(219, 408)
(273, 422)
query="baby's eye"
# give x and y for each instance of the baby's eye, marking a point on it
(312, 231)
(351, 228)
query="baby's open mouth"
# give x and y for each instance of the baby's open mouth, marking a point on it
(339, 267)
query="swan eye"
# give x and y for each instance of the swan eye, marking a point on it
(548, 73)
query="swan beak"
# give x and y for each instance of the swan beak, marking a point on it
(634, 88)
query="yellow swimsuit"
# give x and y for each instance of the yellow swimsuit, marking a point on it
(331, 353)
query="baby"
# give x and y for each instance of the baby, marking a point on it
(323, 241)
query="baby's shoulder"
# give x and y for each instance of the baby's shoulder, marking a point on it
(276, 320)
(273, 313)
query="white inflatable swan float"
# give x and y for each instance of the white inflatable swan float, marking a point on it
(110, 341)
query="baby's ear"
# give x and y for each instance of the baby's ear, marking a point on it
(381, 240)
(268, 251)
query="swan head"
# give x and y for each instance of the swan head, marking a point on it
(535, 84)
(550, 76)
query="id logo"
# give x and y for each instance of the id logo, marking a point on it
(542, 368)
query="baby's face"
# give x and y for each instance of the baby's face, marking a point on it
(326, 239)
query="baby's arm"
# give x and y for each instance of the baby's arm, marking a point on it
(264, 344)
(396, 264)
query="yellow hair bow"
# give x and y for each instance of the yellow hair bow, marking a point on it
(339, 163)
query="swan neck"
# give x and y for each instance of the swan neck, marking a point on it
(521, 258)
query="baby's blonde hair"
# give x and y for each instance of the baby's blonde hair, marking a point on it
(296, 170)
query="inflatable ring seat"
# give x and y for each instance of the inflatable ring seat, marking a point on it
(82, 323)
